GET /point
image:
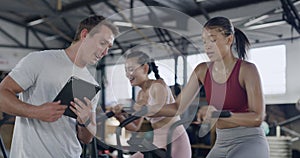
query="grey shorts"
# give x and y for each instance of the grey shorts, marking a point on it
(240, 142)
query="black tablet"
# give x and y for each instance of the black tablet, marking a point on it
(76, 88)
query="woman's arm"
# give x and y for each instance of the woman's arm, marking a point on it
(133, 126)
(250, 80)
(158, 96)
(121, 115)
(185, 98)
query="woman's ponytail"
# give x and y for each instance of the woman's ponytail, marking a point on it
(154, 68)
(241, 42)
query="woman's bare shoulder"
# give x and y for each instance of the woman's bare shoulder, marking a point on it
(248, 71)
(160, 81)
(201, 70)
(202, 67)
(247, 66)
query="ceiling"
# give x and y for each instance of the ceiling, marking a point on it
(175, 24)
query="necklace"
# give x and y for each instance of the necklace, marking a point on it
(223, 70)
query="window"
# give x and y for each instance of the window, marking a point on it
(117, 86)
(271, 64)
(180, 69)
(165, 70)
(193, 61)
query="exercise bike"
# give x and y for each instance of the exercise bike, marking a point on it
(139, 144)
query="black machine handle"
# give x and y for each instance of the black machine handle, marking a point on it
(110, 114)
(134, 116)
(107, 115)
(221, 114)
(206, 127)
(128, 120)
(104, 116)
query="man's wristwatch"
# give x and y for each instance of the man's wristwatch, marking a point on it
(87, 122)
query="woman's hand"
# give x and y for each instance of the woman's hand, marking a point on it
(117, 109)
(204, 113)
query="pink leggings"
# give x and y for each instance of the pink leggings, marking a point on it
(181, 148)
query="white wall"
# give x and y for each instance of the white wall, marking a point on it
(292, 74)
(10, 57)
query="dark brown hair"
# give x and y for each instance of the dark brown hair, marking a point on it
(143, 58)
(241, 41)
(92, 23)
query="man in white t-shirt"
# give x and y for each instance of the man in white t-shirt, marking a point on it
(41, 129)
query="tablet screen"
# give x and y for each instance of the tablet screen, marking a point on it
(76, 88)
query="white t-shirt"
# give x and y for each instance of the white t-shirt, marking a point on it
(42, 75)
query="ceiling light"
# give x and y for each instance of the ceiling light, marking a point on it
(296, 3)
(239, 19)
(255, 20)
(50, 38)
(35, 22)
(275, 23)
(125, 24)
(129, 24)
